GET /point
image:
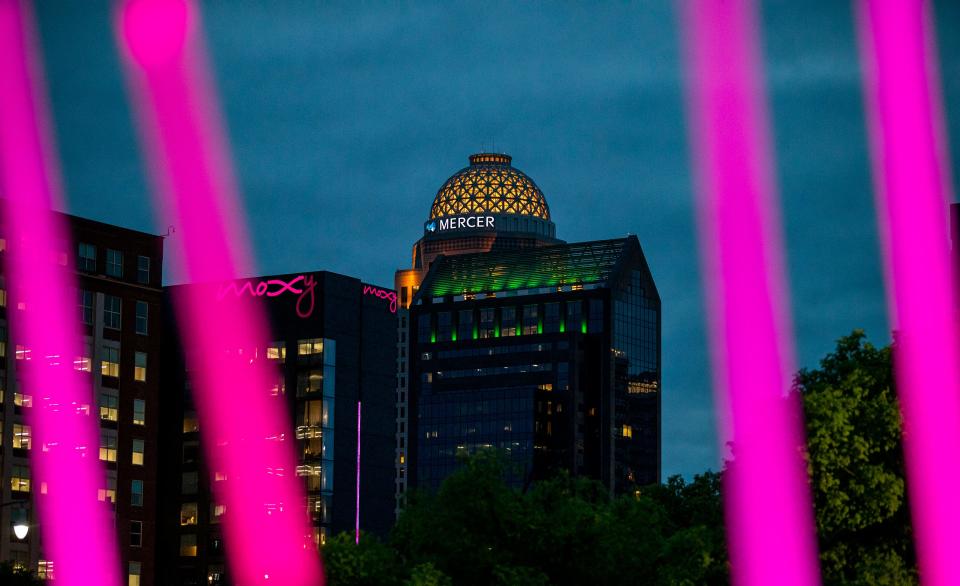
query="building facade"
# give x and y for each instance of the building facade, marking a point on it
(118, 272)
(510, 338)
(333, 351)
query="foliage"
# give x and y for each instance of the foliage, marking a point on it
(367, 563)
(11, 575)
(855, 461)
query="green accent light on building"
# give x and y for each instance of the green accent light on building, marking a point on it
(583, 327)
(540, 328)
(433, 338)
(563, 326)
(548, 267)
(453, 335)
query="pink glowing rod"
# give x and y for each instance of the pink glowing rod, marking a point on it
(356, 527)
(910, 173)
(768, 506)
(245, 430)
(77, 532)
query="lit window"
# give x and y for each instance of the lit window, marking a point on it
(139, 412)
(3, 342)
(109, 406)
(217, 511)
(109, 493)
(188, 546)
(136, 533)
(22, 400)
(3, 297)
(508, 321)
(190, 422)
(140, 366)
(143, 269)
(311, 346)
(84, 362)
(627, 431)
(45, 570)
(280, 384)
(87, 257)
(110, 363)
(111, 312)
(277, 351)
(137, 458)
(19, 478)
(108, 445)
(140, 323)
(86, 307)
(21, 436)
(310, 381)
(188, 514)
(114, 263)
(133, 574)
(136, 493)
(22, 352)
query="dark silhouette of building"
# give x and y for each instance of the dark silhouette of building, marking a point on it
(510, 338)
(332, 345)
(119, 273)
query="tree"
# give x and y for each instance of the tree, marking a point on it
(367, 563)
(11, 575)
(855, 460)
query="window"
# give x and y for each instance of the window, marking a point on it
(84, 362)
(627, 431)
(487, 317)
(444, 326)
(87, 257)
(465, 324)
(137, 457)
(136, 493)
(191, 452)
(596, 315)
(574, 317)
(188, 514)
(189, 483)
(86, 307)
(22, 400)
(216, 512)
(109, 493)
(133, 574)
(424, 332)
(111, 312)
(19, 478)
(311, 346)
(140, 322)
(3, 342)
(109, 407)
(114, 263)
(277, 351)
(143, 269)
(531, 322)
(140, 366)
(188, 545)
(45, 570)
(21, 436)
(551, 318)
(310, 381)
(136, 533)
(279, 384)
(3, 297)
(190, 423)
(108, 445)
(110, 363)
(508, 321)
(139, 412)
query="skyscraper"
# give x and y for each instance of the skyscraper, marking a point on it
(513, 339)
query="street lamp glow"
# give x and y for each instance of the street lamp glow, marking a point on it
(20, 530)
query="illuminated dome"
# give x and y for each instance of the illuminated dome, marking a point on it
(490, 185)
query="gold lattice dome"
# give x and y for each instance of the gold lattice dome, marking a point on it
(490, 185)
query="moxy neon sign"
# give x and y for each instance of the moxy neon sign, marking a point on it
(390, 296)
(303, 285)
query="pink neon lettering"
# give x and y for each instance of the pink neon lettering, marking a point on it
(379, 293)
(275, 288)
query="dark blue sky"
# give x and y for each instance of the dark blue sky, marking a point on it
(344, 122)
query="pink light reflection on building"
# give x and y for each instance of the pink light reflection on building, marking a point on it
(768, 507)
(246, 431)
(910, 169)
(77, 531)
